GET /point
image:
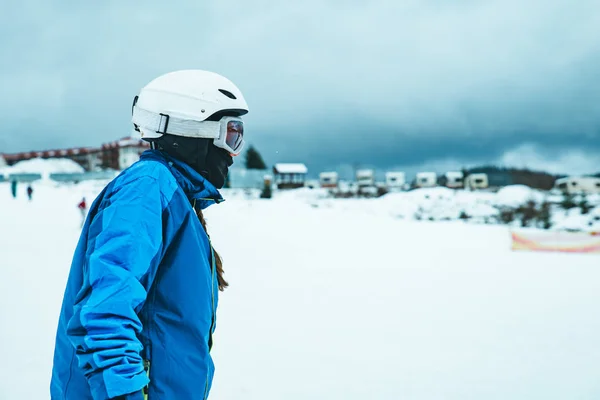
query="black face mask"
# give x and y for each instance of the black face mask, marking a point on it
(201, 154)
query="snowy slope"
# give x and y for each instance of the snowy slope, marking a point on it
(443, 204)
(336, 299)
(44, 167)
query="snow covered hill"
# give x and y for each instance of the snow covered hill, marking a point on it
(443, 204)
(43, 167)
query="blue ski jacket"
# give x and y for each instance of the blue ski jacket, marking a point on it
(139, 306)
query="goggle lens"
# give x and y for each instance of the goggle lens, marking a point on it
(235, 135)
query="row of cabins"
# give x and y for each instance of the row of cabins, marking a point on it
(289, 176)
(294, 176)
(396, 180)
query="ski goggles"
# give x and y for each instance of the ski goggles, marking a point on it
(227, 133)
(231, 135)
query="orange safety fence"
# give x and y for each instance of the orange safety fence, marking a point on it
(557, 241)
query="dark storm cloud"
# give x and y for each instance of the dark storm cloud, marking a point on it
(384, 83)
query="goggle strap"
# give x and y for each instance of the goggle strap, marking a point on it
(166, 124)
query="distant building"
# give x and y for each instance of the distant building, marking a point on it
(454, 179)
(116, 155)
(395, 180)
(578, 184)
(88, 157)
(365, 177)
(426, 179)
(328, 179)
(477, 181)
(122, 153)
(290, 176)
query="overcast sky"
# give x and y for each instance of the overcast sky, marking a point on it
(418, 84)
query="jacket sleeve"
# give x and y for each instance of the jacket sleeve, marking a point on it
(124, 244)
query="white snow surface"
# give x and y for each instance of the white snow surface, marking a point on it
(337, 299)
(516, 195)
(574, 220)
(44, 167)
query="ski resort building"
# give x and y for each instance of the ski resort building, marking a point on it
(365, 177)
(88, 157)
(328, 179)
(454, 179)
(290, 176)
(426, 179)
(578, 184)
(395, 180)
(477, 181)
(116, 155)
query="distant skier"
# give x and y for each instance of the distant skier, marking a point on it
(29, 192)
(142, 294)
(13, 188)
(83, 209)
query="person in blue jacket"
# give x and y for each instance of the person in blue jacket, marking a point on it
(138, 313)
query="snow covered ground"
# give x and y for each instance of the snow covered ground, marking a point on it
(43, 167)
(336, 299)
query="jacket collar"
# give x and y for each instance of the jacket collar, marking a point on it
(195, 186)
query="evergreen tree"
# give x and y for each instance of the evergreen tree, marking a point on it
(254, 160)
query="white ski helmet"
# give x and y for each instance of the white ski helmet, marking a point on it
(180, 102)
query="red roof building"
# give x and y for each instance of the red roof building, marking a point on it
(117, 155)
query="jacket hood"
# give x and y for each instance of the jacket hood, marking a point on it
(195, 186)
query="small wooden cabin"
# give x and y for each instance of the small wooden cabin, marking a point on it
(290, 176)
(395, 180)
(328, 179)
(454, 179)
(365, 177)
(426, 179)
(477, 181)
(578, 184)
